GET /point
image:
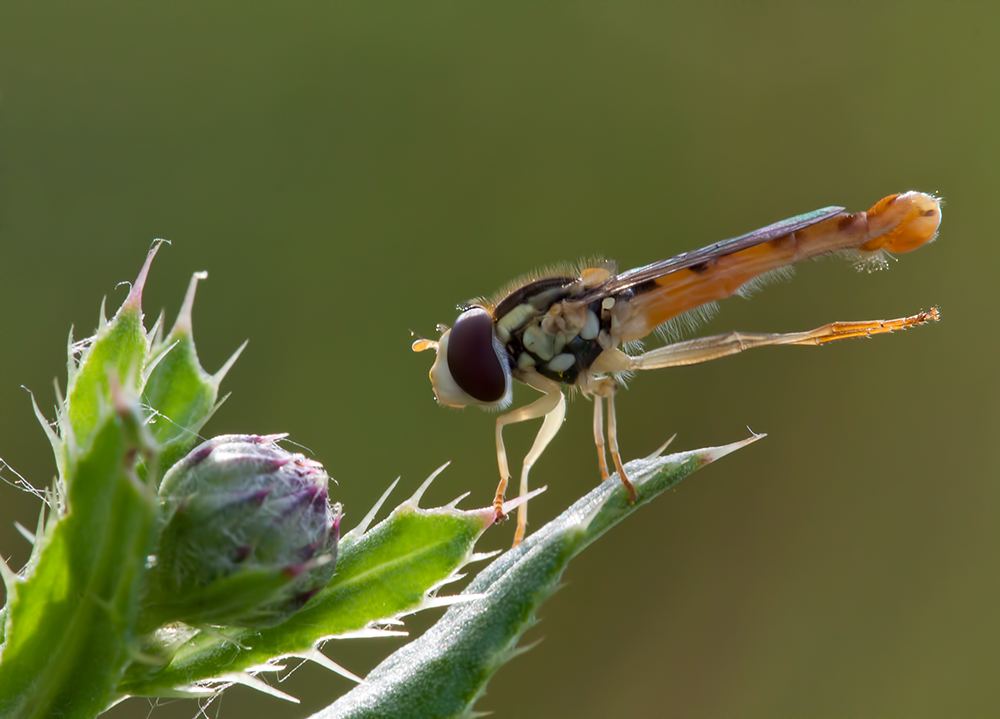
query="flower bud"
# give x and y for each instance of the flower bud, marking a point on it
(249, 535)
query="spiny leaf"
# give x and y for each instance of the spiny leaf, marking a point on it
(180, 394)
(116, 353)
(445, 671)
(69, 625)
(381, 574)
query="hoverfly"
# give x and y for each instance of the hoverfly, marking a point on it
(566, 328)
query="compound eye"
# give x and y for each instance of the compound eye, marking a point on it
(472, 357)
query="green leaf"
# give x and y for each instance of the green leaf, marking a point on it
(116, 354)
(381, 574)
(69, 623)
(180, 394)
(446, 670)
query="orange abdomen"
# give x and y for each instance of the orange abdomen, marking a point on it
(897, 223)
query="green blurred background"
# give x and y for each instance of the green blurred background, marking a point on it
(347, 173)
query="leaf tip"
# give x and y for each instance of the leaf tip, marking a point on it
(184, 322)
(711, 454)
(518, 501)
(134, 298)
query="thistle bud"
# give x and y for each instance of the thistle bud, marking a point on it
(249, 535)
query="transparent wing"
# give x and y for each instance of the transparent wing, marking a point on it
(687, 260)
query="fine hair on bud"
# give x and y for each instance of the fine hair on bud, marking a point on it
(249, 535)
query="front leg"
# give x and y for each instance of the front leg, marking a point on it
(553, 407)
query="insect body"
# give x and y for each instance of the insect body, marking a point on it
(566, 329)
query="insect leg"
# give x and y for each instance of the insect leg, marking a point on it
(606, 388)
(550, 427)
(710, 348)
(542, 406)
(602, 459)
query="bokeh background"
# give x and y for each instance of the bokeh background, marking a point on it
(349, 172)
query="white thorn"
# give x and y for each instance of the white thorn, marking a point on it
(362, 527)
(155, 334)
(518, 501)
(147, 371)
(431, 590)
(255, 683)
(102, 320)
(55, 499)
(710, 454)
(221, 374)
(480, 556)
(663, 447)
(432, 602)
(59, 395)
(454, 503)
(25, 532)
(324, 661)
(271, 665)
(518, 651)
(47, 428)
(196, 427)
(370, 633)
(71, 367)
(40, 527)
(187, 306)
(10, 580)
(192, 691)
(414, 501)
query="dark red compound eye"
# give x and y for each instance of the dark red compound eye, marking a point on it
(472, 358)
